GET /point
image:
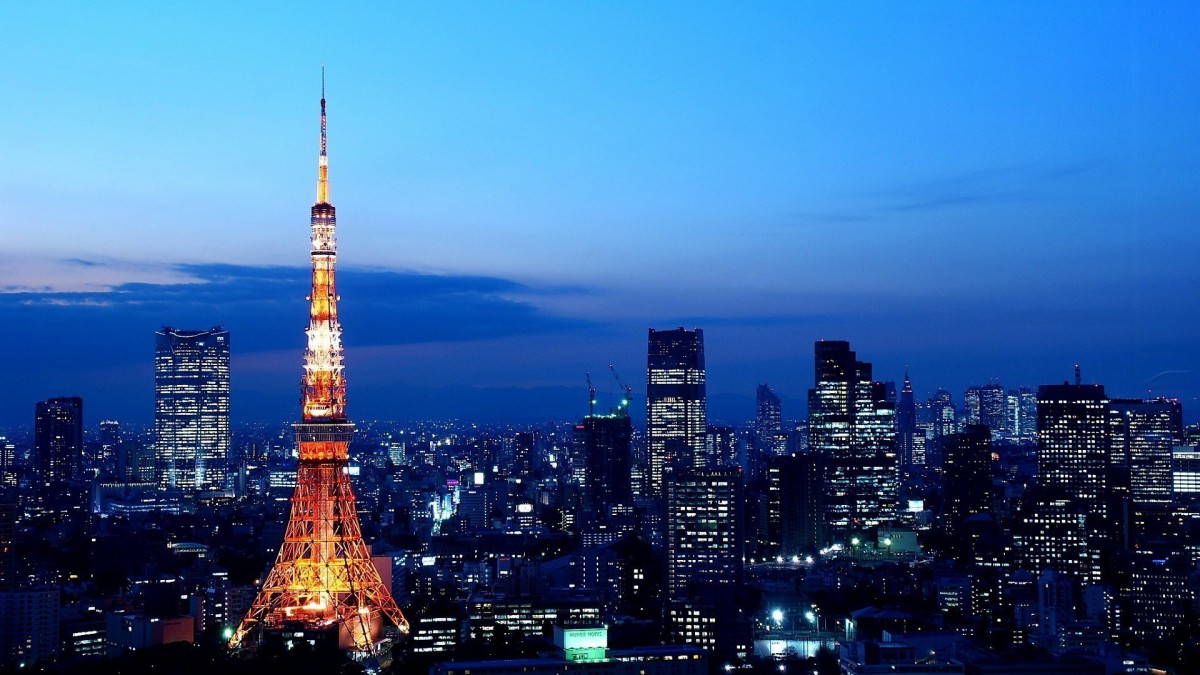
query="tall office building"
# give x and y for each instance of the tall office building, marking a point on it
(1073, 449)
(8, 463)
(602, 442)
(676, 403)
(525, 454)
(768, 423)
(852, 425)
(1052, 534)
(795, 525)
(1142, 437)
(721, 446)
(705, 530)
(906, 423)
(110, 441)
(967, 462)
(942, 408)
(191, 408)
(1073, 442)
(987, 405)
(58, 439)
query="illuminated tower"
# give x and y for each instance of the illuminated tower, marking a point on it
(323, 577)
(676, 403)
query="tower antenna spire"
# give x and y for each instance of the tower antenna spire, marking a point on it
(323, 159)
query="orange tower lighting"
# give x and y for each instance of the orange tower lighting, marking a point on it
(323, 576)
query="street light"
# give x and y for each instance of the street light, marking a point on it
(777, 616)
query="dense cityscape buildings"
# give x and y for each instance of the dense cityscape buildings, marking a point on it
(866, 525)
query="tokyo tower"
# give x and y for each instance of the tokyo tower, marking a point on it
(323, 576)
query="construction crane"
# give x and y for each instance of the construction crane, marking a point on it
(591, 394)
(628, 398)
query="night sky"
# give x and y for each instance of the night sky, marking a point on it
(982, 192)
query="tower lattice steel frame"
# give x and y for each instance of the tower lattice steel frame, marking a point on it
(323, 576)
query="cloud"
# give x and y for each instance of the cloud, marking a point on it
(259, 304)
(96, 342)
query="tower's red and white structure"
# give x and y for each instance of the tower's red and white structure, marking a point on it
(323, 577)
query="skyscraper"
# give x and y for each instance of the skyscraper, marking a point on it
(603, 443)
(676, 403)
(768, 424)
(705, 530)
(967, 463)
(1073, 442)
(987, 405)
(795, 522)
(852, 425)
(1073, 448)
(191, 408)
(1142, 433)
(323, 578)
(58, 439)
(906, 423)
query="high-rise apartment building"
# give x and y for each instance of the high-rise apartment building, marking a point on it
(58, 439)
(705, 529)
(852, 425)
(676, 403)
(29, 630)
(191, 408)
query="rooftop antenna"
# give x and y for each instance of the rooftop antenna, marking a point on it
(1078, 379)
(323, 160)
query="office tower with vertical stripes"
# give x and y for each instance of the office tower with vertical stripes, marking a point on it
(676, 403)
(191, 408)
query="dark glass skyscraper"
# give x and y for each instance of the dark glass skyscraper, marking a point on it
(853, 426)
(967, 463)
(795, 522)
(768, 424)
(906, 423)
(191, 408)
(58, 439)
(676, 403)
(603, 443)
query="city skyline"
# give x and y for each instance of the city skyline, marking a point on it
(975, 192)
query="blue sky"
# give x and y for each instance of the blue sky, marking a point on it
(977, 190)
